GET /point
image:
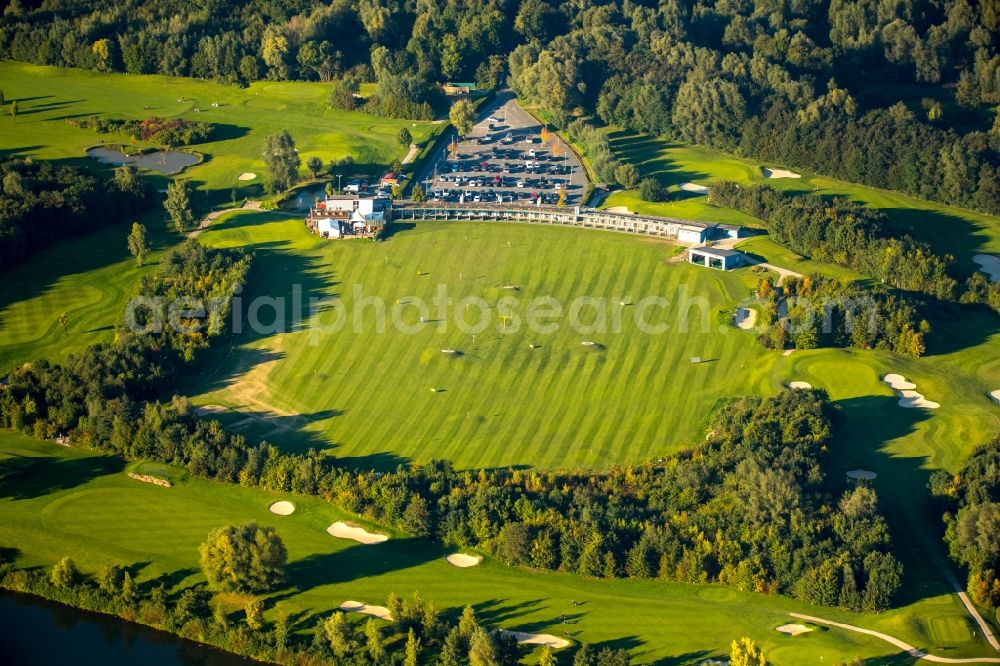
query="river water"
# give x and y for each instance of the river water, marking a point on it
(36, 632)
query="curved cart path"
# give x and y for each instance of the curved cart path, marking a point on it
(905, 647)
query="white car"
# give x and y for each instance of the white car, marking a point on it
(531, 153)
(520, 183)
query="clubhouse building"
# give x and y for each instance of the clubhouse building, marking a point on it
(349, 216)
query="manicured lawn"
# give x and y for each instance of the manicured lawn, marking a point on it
(953, 230)
(499, 401)
(89, 278)
(779, 255)
(367, 395)
(65, 501)
(50, 95)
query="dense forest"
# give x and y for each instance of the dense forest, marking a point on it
(41, 203)
(896, 95)
(751, 508)
(970, 501)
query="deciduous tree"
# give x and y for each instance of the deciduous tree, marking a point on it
(244, 558)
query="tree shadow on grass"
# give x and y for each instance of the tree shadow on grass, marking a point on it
(25, 477)
(957, 327)
(168, 580)
(648, 153)
(861, 439)
(355, 563)
(696, 657)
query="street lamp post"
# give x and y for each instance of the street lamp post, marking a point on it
(339, 191)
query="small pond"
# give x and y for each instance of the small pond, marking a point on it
(303, 199)
(41, 633)
(164, 161)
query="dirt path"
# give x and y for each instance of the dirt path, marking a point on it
(730, 244)
(905, 647)
(216, 214)
(412, 154)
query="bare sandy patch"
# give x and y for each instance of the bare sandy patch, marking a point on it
(865, 474)
(536, 639)
(787, 352)
(692, 187)
(793, 629)
(779, 173)
(995, 394)
(411, 154)
(282, 508)
(745, 318)
(619, 209)
(380, 612)
(898, 382)
(342, 530)
(208, 410)
(246, 175)
(463, 561)
(799, 385)
(989, 264)
(914, 400)
(251, 386)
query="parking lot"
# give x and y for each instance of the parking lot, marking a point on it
(505, 160)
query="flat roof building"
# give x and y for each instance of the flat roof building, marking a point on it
(711, 257)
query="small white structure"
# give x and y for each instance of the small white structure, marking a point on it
(349, 216)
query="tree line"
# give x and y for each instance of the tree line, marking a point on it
(751, 508)
(845, 233)
(814, 311)
(41, 203)
(970, 504)
(163, 131)
(790, 83)
(417, 633)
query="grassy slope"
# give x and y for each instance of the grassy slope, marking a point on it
(559, 405)
(69, 502)
(960, 232)
(90, 277)
(49, 95)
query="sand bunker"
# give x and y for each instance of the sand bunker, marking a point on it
(779, 173)
(463, 561)
(913, 400)
(745, 318)
(691, 187)
(787, 352)
(907, 396)
(799, 385)
(865, 474)
(207, 410)
(793, 629)
(536, 639)
(246, 175)
(619, 209)
(342, 530)
(898, 383)
(282, 508)
(380, 612)
(990, 265)
(995, 394)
